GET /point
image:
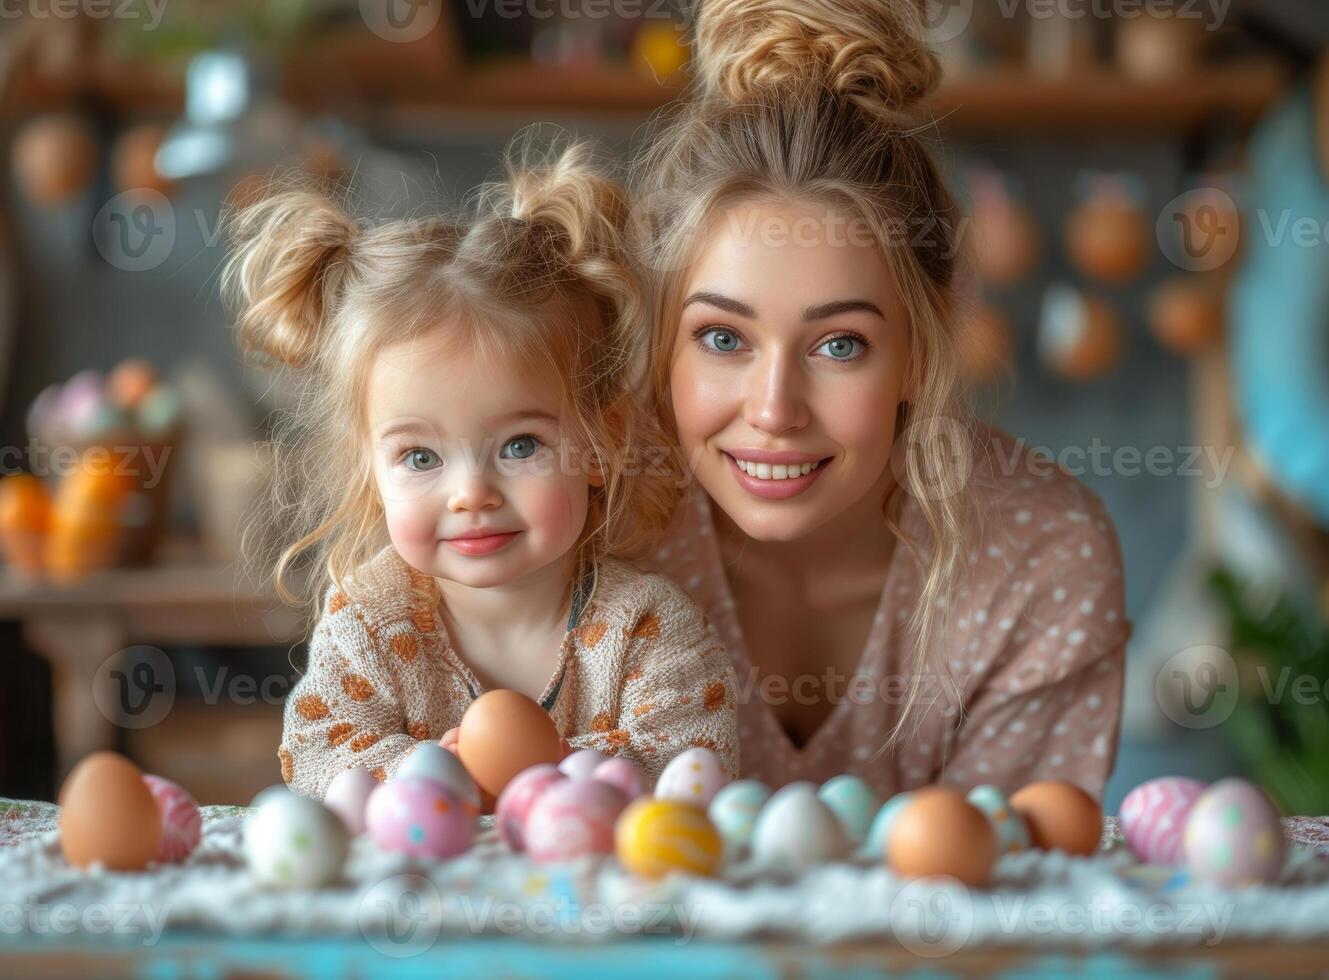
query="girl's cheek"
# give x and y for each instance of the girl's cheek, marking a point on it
(410, 526)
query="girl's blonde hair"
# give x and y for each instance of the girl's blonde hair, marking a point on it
(533, 276)
(809, 101)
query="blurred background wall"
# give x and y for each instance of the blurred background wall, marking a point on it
(1069, 136)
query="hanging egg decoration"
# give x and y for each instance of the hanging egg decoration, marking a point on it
(134, 160)
(1005, 241)
(1107, 236)
(55, 157)
(1079, 336)
(1187, 313)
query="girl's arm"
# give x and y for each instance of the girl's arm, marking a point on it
(678, 687)
(345, 711)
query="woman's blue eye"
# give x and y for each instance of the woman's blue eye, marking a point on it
(842, 348)
(422, 459)
(724, 341)
(523, 447)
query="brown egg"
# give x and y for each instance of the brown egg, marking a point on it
(54, 157)
(134, 160)
(130, 381)
(108, 814)
(1186, 313)
(1108, 240)
(939, 832)
(1006, 242)
(502, 733)
(1060, 816)
(1079, 336)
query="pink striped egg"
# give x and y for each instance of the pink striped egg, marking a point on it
(518, 797)
(574, 819)
(182, 824)
(1153, 817)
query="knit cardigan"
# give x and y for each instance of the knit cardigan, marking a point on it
(640, 674)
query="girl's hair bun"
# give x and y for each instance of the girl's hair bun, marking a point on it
(870, 52)
(292, 253)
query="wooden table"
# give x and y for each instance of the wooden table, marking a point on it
(186, 598)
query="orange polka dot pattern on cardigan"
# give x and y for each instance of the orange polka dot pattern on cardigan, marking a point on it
(643, 676)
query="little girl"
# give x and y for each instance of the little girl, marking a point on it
(470, 391)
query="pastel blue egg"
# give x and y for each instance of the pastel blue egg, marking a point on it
(875, 846)
(734, 810)
(1012, 833)
(854, 802)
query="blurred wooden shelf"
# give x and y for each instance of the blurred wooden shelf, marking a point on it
(996, 101)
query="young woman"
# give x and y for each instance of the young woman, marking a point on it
(906, 595)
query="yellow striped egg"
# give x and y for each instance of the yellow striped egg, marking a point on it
(655, 837)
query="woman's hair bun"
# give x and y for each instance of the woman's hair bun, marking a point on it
(870, 52)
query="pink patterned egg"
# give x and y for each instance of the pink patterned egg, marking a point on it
(623, 774)
(693, 776)
(420, 817)
(1153, 817)
(580, 764)
(574, 819)
(182, 824)
(515, 802)
(1233, 836)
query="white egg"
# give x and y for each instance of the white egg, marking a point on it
(797, 830)
(875, 845)
(293, 841)
(347, 795)
(854, 802)
(582, 763)
(429, 760)
(1012, 832)
(735, 809)
(693, 776)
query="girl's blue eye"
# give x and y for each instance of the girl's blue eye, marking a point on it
(523, 447)
(842, 348)
(724, 341)
(422, 459)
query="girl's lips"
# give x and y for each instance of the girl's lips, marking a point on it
(481, 546)
(774, 489)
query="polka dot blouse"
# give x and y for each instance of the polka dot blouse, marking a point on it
(1035, 642)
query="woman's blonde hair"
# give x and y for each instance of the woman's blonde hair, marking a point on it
(809, 101)
(533, 276)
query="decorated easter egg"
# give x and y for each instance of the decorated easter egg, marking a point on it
(182, 823)
(1012, 834)
(43, 412)
(348, 795)
(1233, 836)
(854, 802)
(429, 760)
(502, 733)
(80, 398)
(419, 816)
(693, 776)
(519, 796)
(735, 809)
(879, 832)
(130, 381)
(939, 832)
(795, 829)
(574, 818)
(582, 763)
(108, 815)
(1153, 817)
(293, 841)
(624, 774)
(159, 411)
(654, 837)
(1079, 336)
(1060, 816)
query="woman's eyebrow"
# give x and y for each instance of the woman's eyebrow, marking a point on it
(736, 307)
(838, 306)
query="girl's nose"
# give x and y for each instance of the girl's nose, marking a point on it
(473, 490)
(774, 401)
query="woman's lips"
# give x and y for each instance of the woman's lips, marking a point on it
(481, 546)
(773, 489)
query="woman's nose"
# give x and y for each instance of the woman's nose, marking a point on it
(473, 490)
(774, 401)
